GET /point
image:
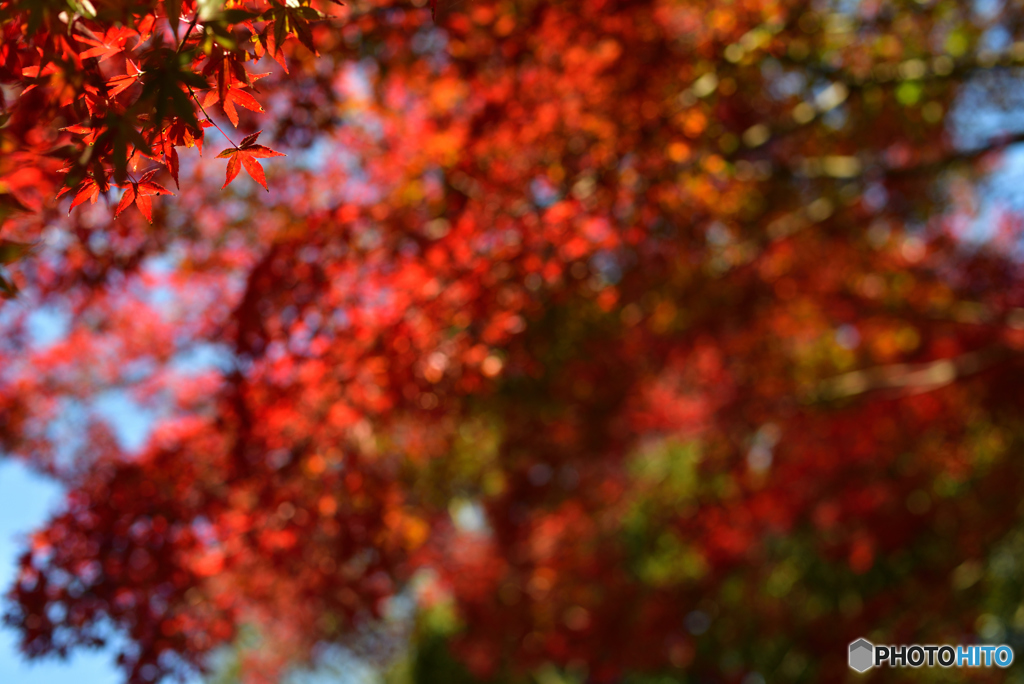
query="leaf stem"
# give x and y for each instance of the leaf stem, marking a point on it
(208, 118)
(188, 31)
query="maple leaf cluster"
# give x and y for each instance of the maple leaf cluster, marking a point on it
(632, 340)
(130, 92)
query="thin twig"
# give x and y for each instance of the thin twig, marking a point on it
(188, 31)
(208, 118)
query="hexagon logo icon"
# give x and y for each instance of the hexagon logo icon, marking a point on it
(862, 654)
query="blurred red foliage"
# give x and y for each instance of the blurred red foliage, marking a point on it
(647, 336)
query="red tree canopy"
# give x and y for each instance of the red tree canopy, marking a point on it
(626, 337)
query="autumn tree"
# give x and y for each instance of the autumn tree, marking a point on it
(628, 338)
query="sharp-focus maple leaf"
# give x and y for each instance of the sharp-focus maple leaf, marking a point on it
(139, 193)
(88, 190)
(233, 96)
(82, 181)
(171, 157)
(291, 18)
(112, 43)
(226, 67)
(181, 134)
(118, 84)
(246, 155)
(266, 43)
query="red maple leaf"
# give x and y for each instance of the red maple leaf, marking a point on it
(119, 83)
(246, 155)
(87, 190)
(90, 134)
(181, 134)
(34, 72)
(266, 43)
(233, 96)
(227, 69)
(139, 193)
(111, 44)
